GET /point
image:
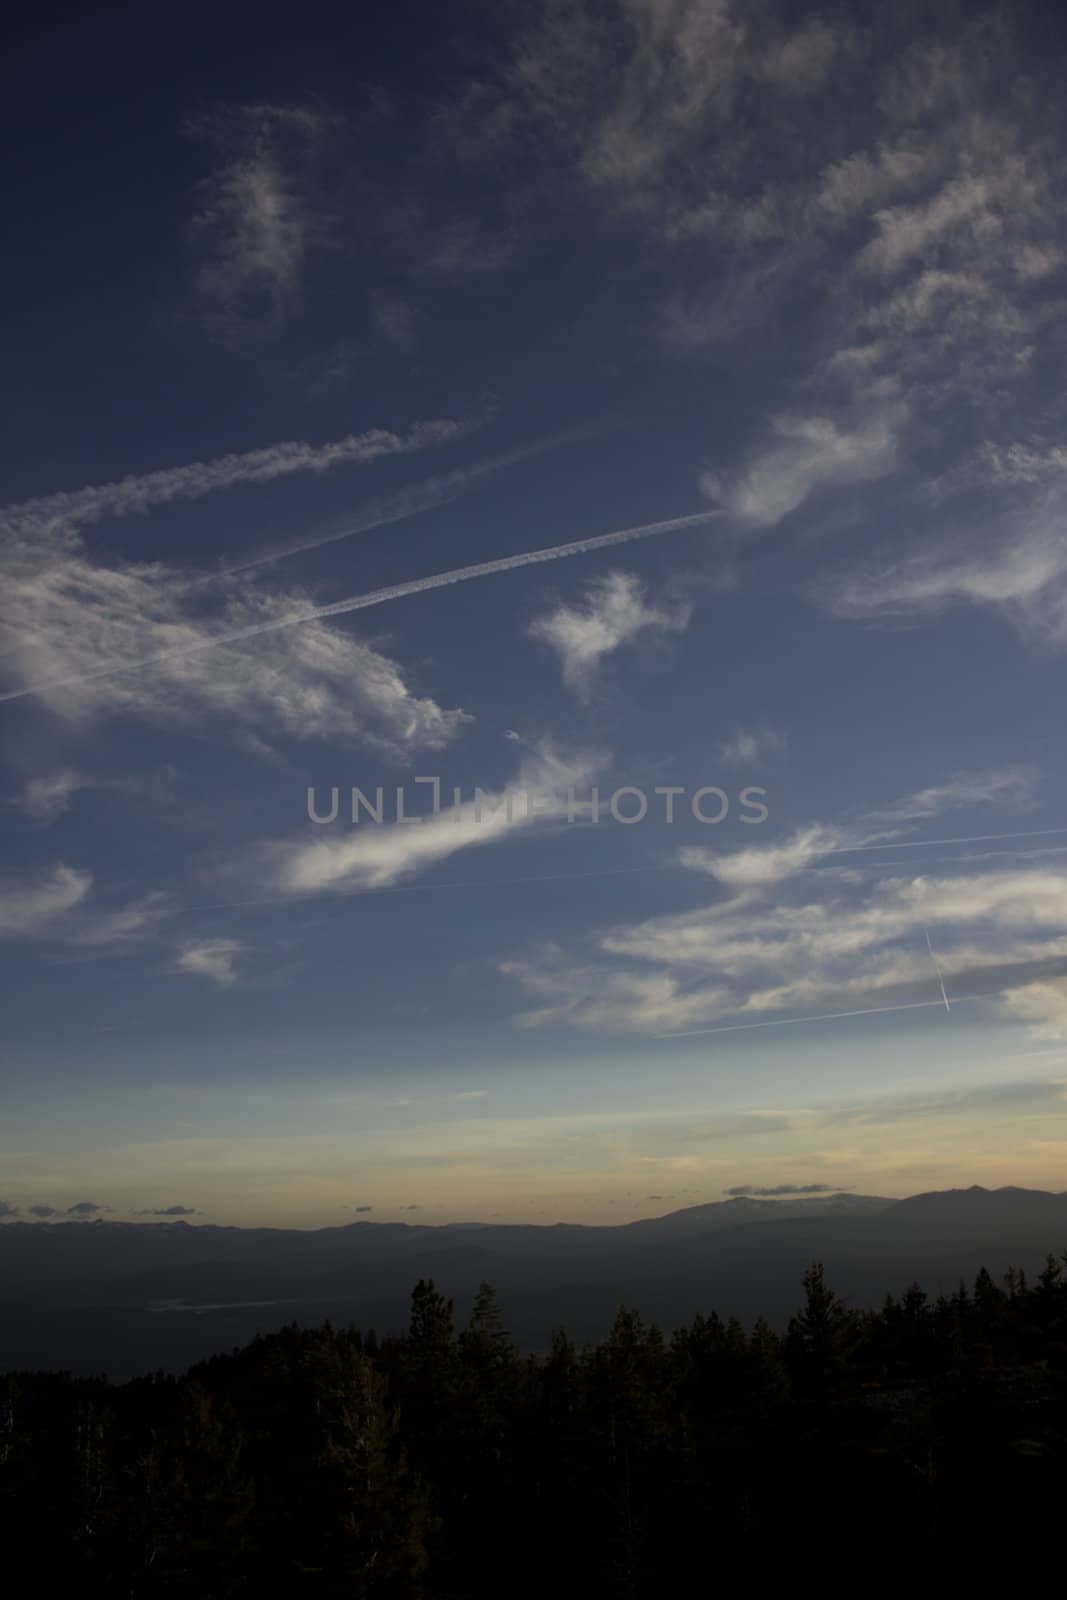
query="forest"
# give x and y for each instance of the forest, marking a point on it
(442, 1463)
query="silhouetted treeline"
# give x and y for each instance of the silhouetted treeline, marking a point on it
(442, 1464)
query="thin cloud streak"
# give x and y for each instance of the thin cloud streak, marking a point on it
(398, 591)
(972, 838)
(770, 947)
(370, 860)
(127, 496)
(550, 877)
(826, 1016)
(408, 502)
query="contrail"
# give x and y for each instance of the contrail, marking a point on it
(407, 502)
(970, 838)
(199, 478)
(827, 1016)
(937, 967)
(380, 597)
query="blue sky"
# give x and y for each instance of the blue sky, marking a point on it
(304, 320)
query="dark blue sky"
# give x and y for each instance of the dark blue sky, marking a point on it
(301, 308)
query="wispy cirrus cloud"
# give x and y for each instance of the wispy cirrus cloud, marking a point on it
(790, 930)
(742, 958)
(65, 616)
(130, 924)
(33, 903)
(808, 453)
(213, 959)
(1042, 1004)
(261, 211)
(631, 90)
(47, 798)
(83, 629)
(56, 904)
(924, 225)
(1011, 559)
(614, 612)
(769, 864)
(75, 508)
(371, 857)
(278, 615)
(1009, 786)
(752, 744)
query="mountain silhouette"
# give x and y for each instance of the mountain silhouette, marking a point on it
(130, 1297)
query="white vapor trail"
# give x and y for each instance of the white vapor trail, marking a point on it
(131, 495)
(379, 597)
(407, 502)
(970, 838)
(937, 967)
(826, 1016)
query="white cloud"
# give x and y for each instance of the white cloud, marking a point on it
(210, 958)
(614, 613)
(811, 453)
(260, 211)
(765, 864)
(799, 62)
(1042, 1004)
(70, 623)
(699, 121)
(128, 925)
(45, 799)
(1014, 563)
(373, 856)
(32, 905)
(787, 935)
(1021, 463)
(752, 744)
(596, 997)
(769, 864)
(54, 904)
(744, 958)
(864, 181)
(1011, 786)
(908, 231)
(648, 97)
(131, 495)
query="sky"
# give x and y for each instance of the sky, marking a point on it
(476, 408)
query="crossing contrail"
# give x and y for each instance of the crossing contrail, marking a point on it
(827, 1016)
(380, 597)
(937, 967)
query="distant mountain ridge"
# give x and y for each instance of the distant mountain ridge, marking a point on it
(130, 1296)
